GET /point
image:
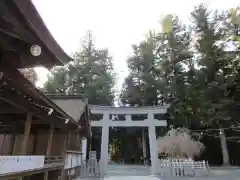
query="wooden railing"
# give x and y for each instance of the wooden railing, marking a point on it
(30, 164)
(182, 167)
(73, 159)
(72, 165)
(53, 159)
(72, 173)
(11, 164)
(88, 169)
(14, 166)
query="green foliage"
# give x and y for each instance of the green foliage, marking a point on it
(140, 86)
(191, 69)
(91, 74)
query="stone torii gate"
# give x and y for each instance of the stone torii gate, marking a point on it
(150, 123)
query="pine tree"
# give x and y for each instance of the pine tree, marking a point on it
(91, 74)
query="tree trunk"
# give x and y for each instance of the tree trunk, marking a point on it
(224, 147)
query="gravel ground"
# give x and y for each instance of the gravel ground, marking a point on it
(132, 172)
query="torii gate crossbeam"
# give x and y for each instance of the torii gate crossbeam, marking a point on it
(150, 122)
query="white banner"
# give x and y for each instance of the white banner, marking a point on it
(10, 164)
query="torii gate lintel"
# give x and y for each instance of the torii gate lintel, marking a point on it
(150, 122)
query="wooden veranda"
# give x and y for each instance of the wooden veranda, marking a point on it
(32, 125)
(36, 135)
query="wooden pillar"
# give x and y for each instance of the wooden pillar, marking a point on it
(35, 142)
(27, 129)
(49, 146)
(50, 138)
(2, 144)
(13, 139)
(65, 142)
(69, 140)
(64, 148)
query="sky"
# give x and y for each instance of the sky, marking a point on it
(115, 24)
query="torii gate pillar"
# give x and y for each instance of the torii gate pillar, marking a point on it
(152, 143)
(104, 143)
(150, 123)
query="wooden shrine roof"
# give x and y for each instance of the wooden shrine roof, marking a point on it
(19, 96)
(21, 27)
(77, 107)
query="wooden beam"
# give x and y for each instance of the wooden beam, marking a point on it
(11, 27)
(35, 141)
(22, 105)
(64, 148)
(9, 110)
(27, 130)
(10, 33)
(21, 57)
(233, 137)
(30, 172)
(65, 141)
(13, 142)
(49, 147)
(9, 100)
(50, 138)
(69, 140)
(2, 145)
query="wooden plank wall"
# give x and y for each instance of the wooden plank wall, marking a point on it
(6, 144)
(39, 140)
(8, 147)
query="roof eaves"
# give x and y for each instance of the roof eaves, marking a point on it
(39, 29)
